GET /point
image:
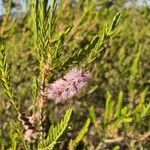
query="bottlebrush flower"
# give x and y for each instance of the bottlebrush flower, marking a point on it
(69, 85)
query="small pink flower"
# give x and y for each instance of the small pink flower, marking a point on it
(34, 118)
(69, 85)
(30, 134)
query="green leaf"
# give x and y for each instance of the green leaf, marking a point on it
(119, 104)
(109, 108)
(127, 120)
(55, 132)
(115, 22)
(74, 143)
(135, 66)
(93, 114)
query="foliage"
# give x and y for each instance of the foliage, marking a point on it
(56, 132)
(74, 143)
(110, 39)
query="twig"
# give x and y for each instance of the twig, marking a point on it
(116, 140)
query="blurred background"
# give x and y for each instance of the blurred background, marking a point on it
(121, 72)
(21, 4)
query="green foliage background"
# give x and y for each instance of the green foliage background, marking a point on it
(114, 111)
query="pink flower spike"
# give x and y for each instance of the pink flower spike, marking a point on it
(69, 85)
